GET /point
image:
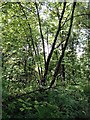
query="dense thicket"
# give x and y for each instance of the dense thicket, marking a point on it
(45, 60)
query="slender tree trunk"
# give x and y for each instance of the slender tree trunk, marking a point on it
(47, 41)
(62, 70)
(88, 74)
(73, 60)
(25, 69)
(89, 42)
(42, 37)
(66, 43)
(53, 46)
(30, 29)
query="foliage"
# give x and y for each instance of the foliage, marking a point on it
(44, 74)
(64, 102)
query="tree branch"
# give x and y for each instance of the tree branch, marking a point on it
(13, 98)
(59, 44)
(74, 17)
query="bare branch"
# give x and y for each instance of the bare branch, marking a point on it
(59, 44)
(74, 17)
(13, 98)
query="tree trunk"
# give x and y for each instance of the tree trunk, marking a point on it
(64, 48)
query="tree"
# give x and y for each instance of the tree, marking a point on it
(40, 41)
